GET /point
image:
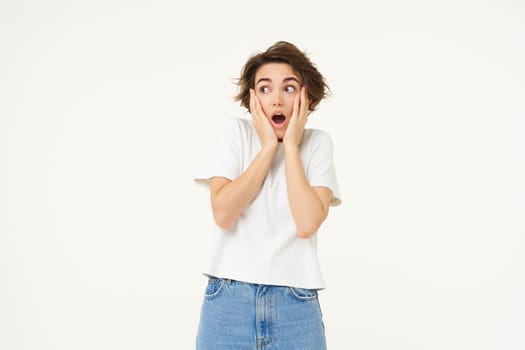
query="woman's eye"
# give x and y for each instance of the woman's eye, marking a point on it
(289, 88)
(264, 89)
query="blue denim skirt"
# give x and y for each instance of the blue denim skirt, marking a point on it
(244, 316)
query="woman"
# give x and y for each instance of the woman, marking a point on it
(271, 183)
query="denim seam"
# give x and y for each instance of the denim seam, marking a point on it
(216, 293)
(303, 298)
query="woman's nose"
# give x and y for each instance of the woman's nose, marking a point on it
(277, 99)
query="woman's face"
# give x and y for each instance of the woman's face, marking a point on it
(276, 85)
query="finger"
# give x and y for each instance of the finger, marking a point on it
(304, 102)
(255, 108)
(258, 108)
(296, 104)
(252, 101)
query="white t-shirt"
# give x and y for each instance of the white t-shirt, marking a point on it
(263, 246)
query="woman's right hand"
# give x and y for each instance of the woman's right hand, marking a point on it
(261, 123)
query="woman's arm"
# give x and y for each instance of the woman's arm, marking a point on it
(309, 205)
(230, 198)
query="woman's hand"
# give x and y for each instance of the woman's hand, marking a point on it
(295, 131)
(261, 123)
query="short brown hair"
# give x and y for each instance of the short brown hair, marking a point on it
(283, 52)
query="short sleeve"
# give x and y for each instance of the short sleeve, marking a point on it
(321, 169)
(224, 160)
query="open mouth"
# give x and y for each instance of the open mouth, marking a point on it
(278, 118)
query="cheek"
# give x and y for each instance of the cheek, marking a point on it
(290, 98)
(289, 101)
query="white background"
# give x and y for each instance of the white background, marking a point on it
(107, 108)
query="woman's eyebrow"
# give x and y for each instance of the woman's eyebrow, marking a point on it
(291, 78)
(284, 80)
(263, 79)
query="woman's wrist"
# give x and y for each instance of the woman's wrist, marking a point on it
(269, 147)
(290, 148)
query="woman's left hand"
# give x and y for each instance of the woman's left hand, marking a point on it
(295, 131)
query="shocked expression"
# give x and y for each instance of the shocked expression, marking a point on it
(276, 86)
